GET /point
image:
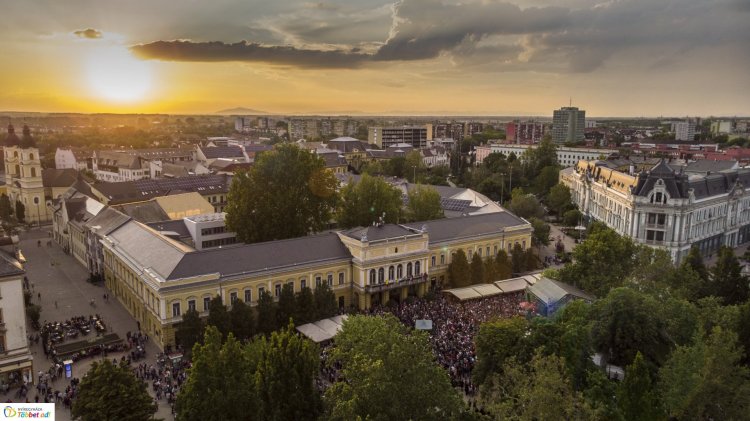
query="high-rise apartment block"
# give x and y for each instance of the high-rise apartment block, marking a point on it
(524, 132)
(684, 130)
(416, 136)
(568, 124)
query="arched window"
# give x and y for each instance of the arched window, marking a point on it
(408, 269)
(31, 156)
(15, 154)
(391, 272)
(381, 275)
(399, 272)
(372, 276)
(417, 267)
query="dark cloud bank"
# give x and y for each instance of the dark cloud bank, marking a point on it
(576, 39)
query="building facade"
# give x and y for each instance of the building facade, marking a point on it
(416, 136)
(568, 125)
(16, 361)
(23, 176)
(566, 156)
(524, 132)
(157, 279)
(664, 208)
(684, 130)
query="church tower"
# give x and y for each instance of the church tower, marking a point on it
(23, 175)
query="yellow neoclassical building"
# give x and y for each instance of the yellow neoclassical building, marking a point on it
(159, 279)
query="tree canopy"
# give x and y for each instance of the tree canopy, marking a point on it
(390, 373)
(287, 193)
(364, 202)
(112, 392)
(459, 273)
(424, 204)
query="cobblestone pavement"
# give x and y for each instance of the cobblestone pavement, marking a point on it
(59, 278)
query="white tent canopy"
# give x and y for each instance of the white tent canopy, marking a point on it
(322, 330)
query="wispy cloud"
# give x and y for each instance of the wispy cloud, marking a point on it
(89, 33)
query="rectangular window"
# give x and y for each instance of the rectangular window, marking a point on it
(442, 259)
(432, 261)
(206, 303)
(191, 305)
(479, 252)
(248, 295)
(232, 297)
(488, 251)
(261, 290)
(303, 283)
(495, 250)
(278, 290)
(318, 281)
(175, 309)
(341, 278)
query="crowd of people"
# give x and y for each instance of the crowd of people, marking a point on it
(166, 377)
(454, 325)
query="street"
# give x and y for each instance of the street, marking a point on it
(60, 279)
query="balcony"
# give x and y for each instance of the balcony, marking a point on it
(414, 280)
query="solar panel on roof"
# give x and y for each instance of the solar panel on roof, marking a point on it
(457, 205)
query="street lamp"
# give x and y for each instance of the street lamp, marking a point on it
(38, 215)
(502, 188)
(414, 180)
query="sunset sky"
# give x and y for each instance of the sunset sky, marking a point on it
(521, 57)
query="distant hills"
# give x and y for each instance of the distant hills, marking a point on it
(239, 110)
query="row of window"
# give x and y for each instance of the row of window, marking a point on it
(247, 296)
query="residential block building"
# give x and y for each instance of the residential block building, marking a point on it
(568, 124)
(16, 361)
(566, 156)
(416, 136)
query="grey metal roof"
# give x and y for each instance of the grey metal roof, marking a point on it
(107, 220)
(131, 191)
(149, 249)
(375, 233)
(447, 229)
(551, 291)
(259, 257)
(52, 177)
(177, 226)
(212, 152)
(145, 212)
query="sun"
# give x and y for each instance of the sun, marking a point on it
(114, 74)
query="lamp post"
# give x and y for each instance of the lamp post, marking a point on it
(502, 188)
(414, 180)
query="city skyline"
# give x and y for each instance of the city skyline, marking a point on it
(617, 58)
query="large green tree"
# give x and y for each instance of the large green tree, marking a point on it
(304, 307)
(111, 392)
(637, 395)
(285, 377)
(365, 201)
(495, 342)
(287, 307)
(5, 208)
(218, 316)
(476, 268)
(287, 193)
(539, 391)
(626, 322)
(459, 273)
(559, 199)
(389, 373)
(242, 319)
(424, 204)
(706, 381)
(190, 329)
(540, 233)
(727, 281)
(267, 321)
(525, 205)
(325, 301)
(601, 262)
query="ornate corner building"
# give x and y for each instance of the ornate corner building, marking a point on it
(675, 208)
